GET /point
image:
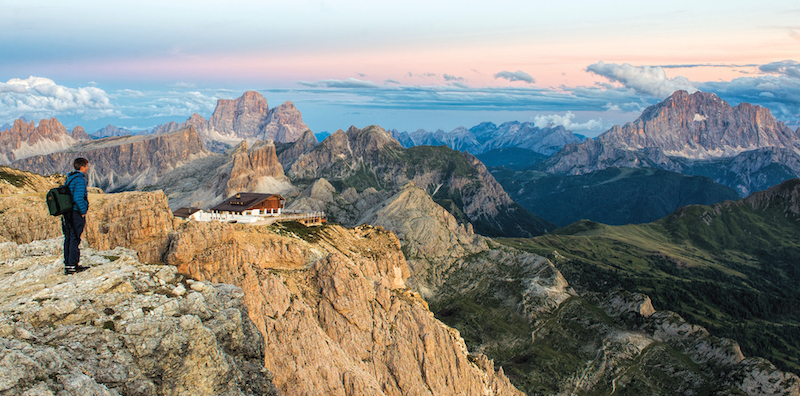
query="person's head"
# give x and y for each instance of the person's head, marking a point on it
(81, 164)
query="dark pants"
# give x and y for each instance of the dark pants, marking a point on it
(72, 224)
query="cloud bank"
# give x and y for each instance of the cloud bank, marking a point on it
(644, 80)
(39, 97)
(566, 121)
(518, 75)
(788, 68)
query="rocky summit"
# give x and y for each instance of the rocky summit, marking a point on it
(245, 118)
(121, 328)
(743, 147)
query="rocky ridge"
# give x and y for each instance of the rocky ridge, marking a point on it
(24, 140)
(15, 181)
(487, 136)
(124, 163)
(341, 294)
(121, 328)
(371, 158)
(743, 147)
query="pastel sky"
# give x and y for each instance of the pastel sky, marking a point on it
(407, 65)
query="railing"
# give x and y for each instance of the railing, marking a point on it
(316, 216)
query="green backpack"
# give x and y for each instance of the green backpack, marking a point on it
(59, 200)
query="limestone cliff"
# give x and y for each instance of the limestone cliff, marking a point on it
(250, 118)
(253, 169)
(24, 140)
(121, 328)
(336, 314)
(124, 163)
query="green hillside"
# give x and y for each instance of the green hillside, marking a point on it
(731, 267)
(612, 196)
(511, 157)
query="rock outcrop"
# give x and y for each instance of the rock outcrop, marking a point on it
(139, 221)
(24, 140)
(256, 170)
(121, 328)
(697, 134)
(124, 163)
(336, 314)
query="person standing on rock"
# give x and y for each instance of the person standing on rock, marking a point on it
(73, 222)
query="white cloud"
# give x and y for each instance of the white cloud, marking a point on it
(448, 77)
(643, 80)
(391, 81)
(554, 120)
(181, 84)
(39, 97)
(518, 75)
(131, 93)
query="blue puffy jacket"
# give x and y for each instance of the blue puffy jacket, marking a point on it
(76, 181)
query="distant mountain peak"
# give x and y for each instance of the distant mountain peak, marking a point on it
(701, 125)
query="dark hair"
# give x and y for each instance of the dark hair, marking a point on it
(80, 162)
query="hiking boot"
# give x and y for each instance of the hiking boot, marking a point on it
(69, 270)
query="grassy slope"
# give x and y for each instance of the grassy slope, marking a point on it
(487, 318)
(610, 196)
(731, 268)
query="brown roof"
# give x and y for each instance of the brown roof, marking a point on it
(242, 201)
(185, 212)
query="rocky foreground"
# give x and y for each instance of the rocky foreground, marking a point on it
(121, 328)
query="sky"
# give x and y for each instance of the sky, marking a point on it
(586, 65)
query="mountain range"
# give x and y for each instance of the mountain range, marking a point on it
(487, 136)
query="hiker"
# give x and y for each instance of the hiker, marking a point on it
(73, 222)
